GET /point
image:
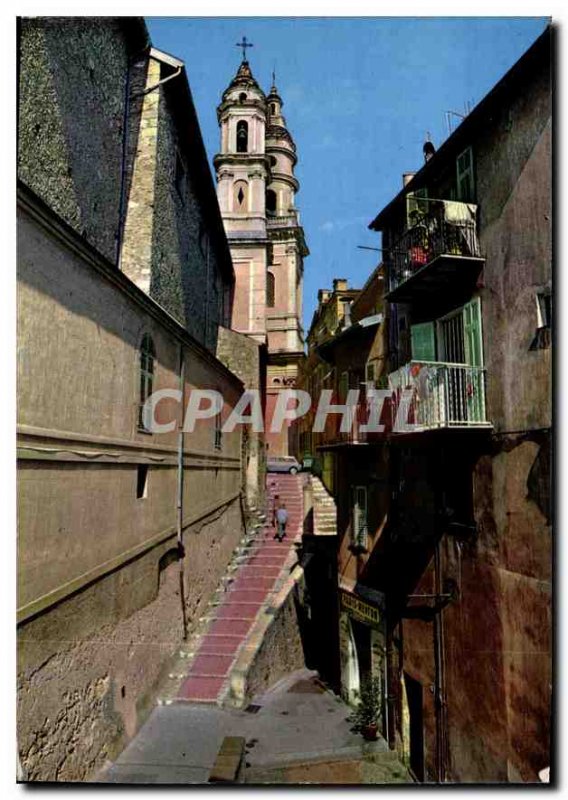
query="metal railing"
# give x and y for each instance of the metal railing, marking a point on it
(431, 395)
(439, 227)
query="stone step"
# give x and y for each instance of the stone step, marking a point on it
(201, 688)
(238, 611)
(261, 572)
(211, 665)
(230, 626)
(252, 582)
(245, 596)
(219, 645)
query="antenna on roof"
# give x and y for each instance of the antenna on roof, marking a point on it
(449, 115)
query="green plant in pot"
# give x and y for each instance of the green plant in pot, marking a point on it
(365, 717)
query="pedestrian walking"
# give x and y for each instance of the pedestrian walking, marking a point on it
(275, 504)
(281, 519)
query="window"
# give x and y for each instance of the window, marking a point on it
(147, 356)
(464, 177)
(273, 108)
(141, 481)
(271, 201)
(270, 289)
(242, 136)
(273, 161)
(359, 517)
(242, 97)
(241, 196)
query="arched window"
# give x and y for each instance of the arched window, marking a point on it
(273, 108)
(242, 136)
(147, 356)
(240, 196)
(270, 289)
(271, 201)
(242, 97)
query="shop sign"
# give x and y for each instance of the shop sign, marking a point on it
(359, 609)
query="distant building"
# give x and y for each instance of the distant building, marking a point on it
(330, 317)
(257, 189)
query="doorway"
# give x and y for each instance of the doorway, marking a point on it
(414, 695)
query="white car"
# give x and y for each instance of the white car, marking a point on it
(283, 464)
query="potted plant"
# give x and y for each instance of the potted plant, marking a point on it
(365, 717)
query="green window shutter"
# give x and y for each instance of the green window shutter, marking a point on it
(423, 341)
(473, 338)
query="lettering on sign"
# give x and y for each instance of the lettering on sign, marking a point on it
(358, 608)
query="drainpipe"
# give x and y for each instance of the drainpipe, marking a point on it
(439, 689)
(439, 651)
(179, 503)
(392, 673)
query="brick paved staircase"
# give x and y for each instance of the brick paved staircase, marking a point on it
(246, 591)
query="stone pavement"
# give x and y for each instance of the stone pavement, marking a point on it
(247, 591)
(296, 732)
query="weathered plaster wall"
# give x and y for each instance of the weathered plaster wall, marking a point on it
(498, 631)
(89, 669)
(99, 606)
(242, 355)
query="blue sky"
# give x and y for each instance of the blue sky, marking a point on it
(359, 96)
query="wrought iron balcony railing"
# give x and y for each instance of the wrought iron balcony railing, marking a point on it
(432, 395)
(441, 229)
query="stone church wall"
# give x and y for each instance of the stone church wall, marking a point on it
(99, 608)
(71, 109)
(171, 248)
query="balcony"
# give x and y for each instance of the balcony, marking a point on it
(436, 395)
(289, 220)
(438, 254)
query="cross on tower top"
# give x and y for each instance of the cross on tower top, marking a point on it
(244, 44)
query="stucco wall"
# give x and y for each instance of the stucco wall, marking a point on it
(99, 607)
(242, 355)
(88, 671)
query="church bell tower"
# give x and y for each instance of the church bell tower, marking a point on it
(256, 188)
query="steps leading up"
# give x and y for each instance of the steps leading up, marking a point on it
(247, 589)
